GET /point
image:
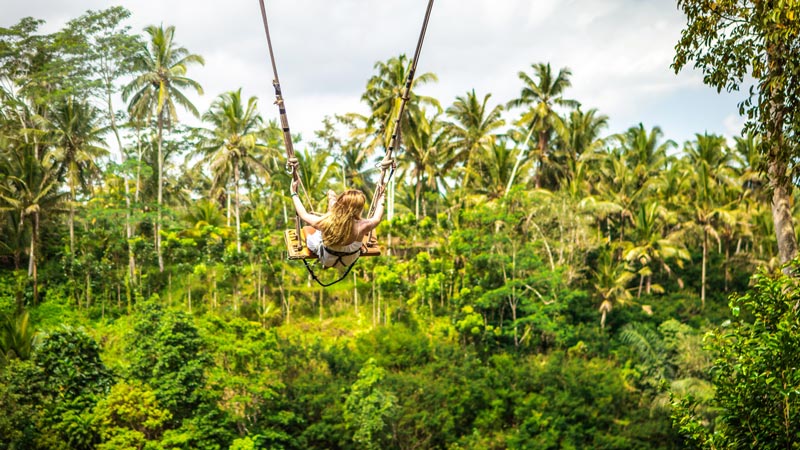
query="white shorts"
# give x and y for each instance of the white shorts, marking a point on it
(314, 243)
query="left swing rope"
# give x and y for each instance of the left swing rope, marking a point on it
(291, 159)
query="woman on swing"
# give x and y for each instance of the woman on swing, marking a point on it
(336, 236)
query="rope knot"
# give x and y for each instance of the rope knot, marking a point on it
(292, 164)
(387, 163)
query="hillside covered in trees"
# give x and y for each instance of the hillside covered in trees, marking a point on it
(545, 282)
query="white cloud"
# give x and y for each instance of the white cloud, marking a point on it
(619, 51)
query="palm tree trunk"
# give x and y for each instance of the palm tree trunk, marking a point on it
(160, 190)
(390, 216)
(88, 289)
(128, 225)
(641, 284)
(542, 147)
(703, 270)
(72, 222)
(355, 293)
(236, 194)
(139, 156)
(418, 192)
(32, 269)
(520, 157)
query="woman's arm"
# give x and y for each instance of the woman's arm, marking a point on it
(310, 219)
(372, 222)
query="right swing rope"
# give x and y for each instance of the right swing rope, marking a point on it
(386, 165)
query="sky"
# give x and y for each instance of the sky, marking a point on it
(619, 52)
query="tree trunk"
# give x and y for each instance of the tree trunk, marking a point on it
(160, 190)
(778, 160)
(88, 289)
(782, 211)
(32, 269)
(418, 193)
(126, 187)
(520, 157)
(72, 222)
(542, 147)
(236, 197)
(703, 270)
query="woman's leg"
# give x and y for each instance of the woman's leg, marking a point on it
(313, 239)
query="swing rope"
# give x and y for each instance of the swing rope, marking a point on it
(388, 162)
(292, 164)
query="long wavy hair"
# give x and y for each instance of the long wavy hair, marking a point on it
(337, 227)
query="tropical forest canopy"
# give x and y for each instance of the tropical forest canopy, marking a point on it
(545, 282)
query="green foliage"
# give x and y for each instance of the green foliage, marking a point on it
(70, 360)
(754, 372)
(23, 399)
(368, 408)
(166, 353)
(542, 285)
(16, 337)
(130, 417)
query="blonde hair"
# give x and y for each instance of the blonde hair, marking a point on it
(337, 227)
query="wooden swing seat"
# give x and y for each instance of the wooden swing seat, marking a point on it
(292, 244)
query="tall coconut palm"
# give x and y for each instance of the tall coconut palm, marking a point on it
(157, 91)
(426, 141)
(497, 164)
(653, 245)
(350, 153)
(473, 130)
(76, 136)
(383, 92)
(645, 153)
(610, 278)
(578, 134)
(714, 201)
(232, 146)
(317, 173)
(541, 97)
(618, 188)
(30, 190)
(383, 96)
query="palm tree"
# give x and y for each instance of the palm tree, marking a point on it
(232, 145)
(30, 190)
(541, 96)
(473, 130)
(610, 278)
(426, 141)
(76, 137)
(644, 152)
(384, 89)
(497, 165)
(316, 173)
(577, 135)
(617, 187)
(350, 153)
(653, 245)
(713, 202)
(383, 94)
(156, 91)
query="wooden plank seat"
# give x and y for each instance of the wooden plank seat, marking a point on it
(372, 248)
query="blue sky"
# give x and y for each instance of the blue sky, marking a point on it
(619, 52)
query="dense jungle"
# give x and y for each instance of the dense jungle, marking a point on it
(544, 282)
